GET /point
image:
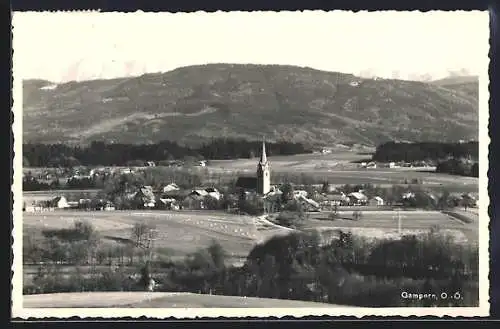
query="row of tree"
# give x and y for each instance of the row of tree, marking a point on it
(101, 153)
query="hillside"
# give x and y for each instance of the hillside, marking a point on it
(194, 103)
(466, 85)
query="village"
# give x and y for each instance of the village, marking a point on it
(227, 196)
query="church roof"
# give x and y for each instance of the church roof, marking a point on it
(249, 183)
(263, 155)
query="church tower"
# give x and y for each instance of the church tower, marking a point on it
(263, 173)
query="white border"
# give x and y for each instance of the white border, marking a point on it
(19, 312)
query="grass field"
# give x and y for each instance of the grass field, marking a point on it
(181, 232)
(156, 300)
(380, 224)
(338, 168)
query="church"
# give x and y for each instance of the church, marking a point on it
(261, 183)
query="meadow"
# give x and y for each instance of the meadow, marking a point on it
(156, 300)
(180, 233)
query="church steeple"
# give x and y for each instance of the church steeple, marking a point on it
(263, 156)
(263, 172)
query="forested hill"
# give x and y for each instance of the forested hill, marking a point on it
(192, 104)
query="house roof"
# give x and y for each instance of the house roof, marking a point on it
(249, 183)
(377, 198)
(170, 187)
(335, 197)
(358, 195)
(211, 190)
(200, 192)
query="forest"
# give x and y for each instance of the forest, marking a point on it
(113, 154)
(426, 151)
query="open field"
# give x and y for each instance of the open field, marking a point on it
(181, 232)
(156, 300)
(380, 224)
(338, 169)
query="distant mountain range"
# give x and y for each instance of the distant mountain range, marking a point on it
(193, 104)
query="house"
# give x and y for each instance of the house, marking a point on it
(199, 192)
(145, 197)
(126, 171)
(59, 202)
(178, 195)
(357, 199)
(371, 165)
(194, 201)
(335, 199)
(408, 195)
(170, 187)
(170, 204)
(299, 193)
(272, 200)
(392, 165)
(213, 193)
(308, 204)
(109, 206)
(73, 204)
(376, 201)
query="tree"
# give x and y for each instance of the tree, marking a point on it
(217, 253)
(287, 190)
(325, 188)
(143, 234)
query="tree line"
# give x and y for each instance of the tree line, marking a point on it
(115, 154)
(424, 151)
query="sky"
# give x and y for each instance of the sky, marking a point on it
(77, 46)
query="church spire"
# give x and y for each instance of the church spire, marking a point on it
(263, 156)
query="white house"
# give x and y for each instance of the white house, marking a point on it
(376, 201)
(60, 202)
(170, 187)
(357, 198)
